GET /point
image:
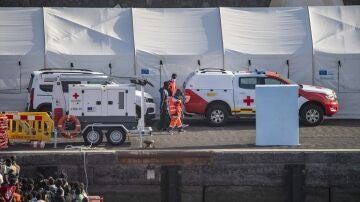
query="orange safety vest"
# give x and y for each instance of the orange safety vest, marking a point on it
(172, 87)
(178, 109)
(171, 105)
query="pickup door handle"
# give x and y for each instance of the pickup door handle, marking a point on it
(110, 102)
(98, 102)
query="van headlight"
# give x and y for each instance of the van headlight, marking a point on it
(149, 100)
(331, 96)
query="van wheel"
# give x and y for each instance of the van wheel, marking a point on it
(138, 116)
(45, 108)
(217, 115)
(311, 115)
(138, 111)
(116, 136)
(93, 136)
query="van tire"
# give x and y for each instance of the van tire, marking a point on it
(45, 108)
(217, 115)
(138, 116)
(311, 115)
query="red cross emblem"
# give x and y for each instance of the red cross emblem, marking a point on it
(248, 100)
(76, 95)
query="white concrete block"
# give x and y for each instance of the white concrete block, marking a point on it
(277, 119)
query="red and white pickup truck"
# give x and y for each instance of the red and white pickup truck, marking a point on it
(218, 94)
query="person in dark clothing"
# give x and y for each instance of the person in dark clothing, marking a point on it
(179, 95)
(164, 114)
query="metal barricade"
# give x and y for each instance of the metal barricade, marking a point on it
(33, 126)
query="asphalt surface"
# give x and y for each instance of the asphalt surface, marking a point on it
(237, 134)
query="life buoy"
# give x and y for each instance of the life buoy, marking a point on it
(69, 133)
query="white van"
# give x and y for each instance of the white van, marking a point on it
(41, 86)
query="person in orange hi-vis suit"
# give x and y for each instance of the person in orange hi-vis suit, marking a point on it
(176, 121)
(172, 84)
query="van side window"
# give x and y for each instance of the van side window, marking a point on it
(65, 85)
(97, 82)
(30, 83)
(271, 81)
(121, 100)
(46, 87)
(248, 82)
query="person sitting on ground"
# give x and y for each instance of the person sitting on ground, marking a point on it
(17, 195)
(7, 190)
(7, 169)
(52, 184)
(15, 165)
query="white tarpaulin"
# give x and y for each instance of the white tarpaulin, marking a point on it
(276, 39)
(280, 3)
(180, 38)
(21, 52)
(336, 42)
(99, 39)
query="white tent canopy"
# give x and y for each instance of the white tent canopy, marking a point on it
(276, 39)
(280, 3)
(182, 39)
(99, 39)
(336, 42)
(21, 52)
(154, 43)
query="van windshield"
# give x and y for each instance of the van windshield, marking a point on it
(30, 82)
(187, 79)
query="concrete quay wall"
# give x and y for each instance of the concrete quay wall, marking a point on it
(205, 176)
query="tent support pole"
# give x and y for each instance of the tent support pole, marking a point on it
(160, 69)
(19, 63)
(288, 68)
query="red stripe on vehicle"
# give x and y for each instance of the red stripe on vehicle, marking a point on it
(319, 97)
(196, 104)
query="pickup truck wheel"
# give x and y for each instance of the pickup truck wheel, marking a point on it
(93, 136)
(311, 115)
(217, 115)
(116, 136)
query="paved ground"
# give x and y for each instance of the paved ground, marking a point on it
(238, 134)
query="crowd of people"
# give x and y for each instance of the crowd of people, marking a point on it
(15, 188)
(171, 107)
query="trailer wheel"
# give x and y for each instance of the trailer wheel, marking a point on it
(116, 136)
(93, 136)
